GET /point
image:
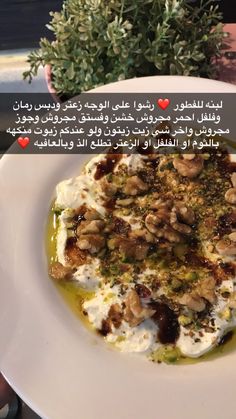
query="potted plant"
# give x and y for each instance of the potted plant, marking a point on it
(102, 41)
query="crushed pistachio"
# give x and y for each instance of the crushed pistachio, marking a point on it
(184, 320)
(168, 354)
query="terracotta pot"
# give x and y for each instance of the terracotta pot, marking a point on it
(48, 78)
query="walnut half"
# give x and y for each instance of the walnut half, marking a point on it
(193, 301)
(188, 168)
(91, 242)
(176, 224)
(226, 247)
(134, 186)
(206, 289)
(59, 272)
(230, 196)
(129, 247)
(90, 232)
(196, 300)
(134, 312)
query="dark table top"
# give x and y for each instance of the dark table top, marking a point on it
(22, 22)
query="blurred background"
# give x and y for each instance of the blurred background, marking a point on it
(22, 22)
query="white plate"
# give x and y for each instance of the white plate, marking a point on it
(58, 367)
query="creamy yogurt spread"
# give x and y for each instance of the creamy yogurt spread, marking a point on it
(154, 238)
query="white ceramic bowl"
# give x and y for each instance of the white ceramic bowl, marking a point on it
(57, 366)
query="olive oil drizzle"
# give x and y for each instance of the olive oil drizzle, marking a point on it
(75, 296)
(71, 293)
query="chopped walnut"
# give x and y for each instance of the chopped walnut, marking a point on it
(193, 301)
(233, 179)
(210, 223)
(131, 248)
(92, 214)
(174, 222)
(206, 289)
(165, 206)
(189, 156)
(188, 168)
(124, 202)
(143, 291)
(92, 223)
(141, 251)
(58, 271)
(134, 312)
(105, 327)
(118, 226)
(154, 224)
(89, 232)
(162, 215)
(152, 221)
(232, 236)
(134, 186)
(168, 221)
(91, 242)
(169, 234)
(80, 211)
(185, 213)
(108, 188)
(74, 256)
(226, 247)
(230, 196)
(142, 234)
(90, 227)
(115, 315)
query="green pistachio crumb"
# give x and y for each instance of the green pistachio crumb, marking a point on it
(168, 354)
(184, 320)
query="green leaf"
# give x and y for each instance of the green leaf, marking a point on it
(71, 72)
(98, 41)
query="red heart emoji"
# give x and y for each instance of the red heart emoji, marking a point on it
(163, 103)
(23, 141)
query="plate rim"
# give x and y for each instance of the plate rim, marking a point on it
(8, 162)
